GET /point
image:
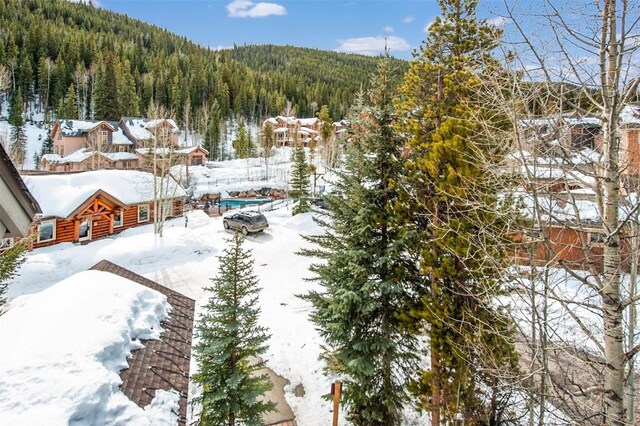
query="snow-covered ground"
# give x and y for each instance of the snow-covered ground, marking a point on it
(184, 259)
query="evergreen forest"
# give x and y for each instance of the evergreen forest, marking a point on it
(60, 53)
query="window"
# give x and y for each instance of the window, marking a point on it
(143, 213)
(6, 243)
(596, 238)
(47, 230)
(196, 161)
(102, 139)
(126, 164)
(59, 136)
(84, 233)
(122, 148)
(117, 218)
(61, 150)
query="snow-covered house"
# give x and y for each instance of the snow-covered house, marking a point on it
(142, 132)
(82, 207)
(126, 144)
(18, 207)
(115, 348)
(557, 133)
(291, 130)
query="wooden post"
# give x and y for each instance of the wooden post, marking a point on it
(336, 391)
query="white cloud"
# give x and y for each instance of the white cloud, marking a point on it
(373, 45)
(498, 21)
(408, 19)
(426, 27)
(388, 29)
(249, 9)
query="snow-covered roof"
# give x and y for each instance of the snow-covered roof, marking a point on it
(60, 195)
(120, 156)
(308, 121)
(119, 138)
(51, 158)
(573, 119)
(191, 149)
(630, 115)
(140, 128)
(74, 128)
(79, 156)
(66, 346)
(308, 130)
(281, 130)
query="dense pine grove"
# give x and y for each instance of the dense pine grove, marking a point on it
(117, 65)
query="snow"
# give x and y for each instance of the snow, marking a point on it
(66, 347)
(185, 258)
(630, 115)
(60, 194)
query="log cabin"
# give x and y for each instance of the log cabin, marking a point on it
(82, 207)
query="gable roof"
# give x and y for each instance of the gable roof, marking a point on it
(162, 363)
(60, 194)
(16, 220)
(140, 128)
(76, 128)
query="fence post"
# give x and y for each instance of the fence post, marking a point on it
(336, 391)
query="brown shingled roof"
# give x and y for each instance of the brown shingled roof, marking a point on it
(163, 363)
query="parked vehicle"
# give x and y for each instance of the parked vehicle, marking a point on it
(246, 222)
(321, 202)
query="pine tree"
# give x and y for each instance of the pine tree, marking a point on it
(230, 341)
(18, 138)
(106, 100)
(69, 108)
(242, 144)
(300, 180)
(454, 226)
(366, 273)
(212, 134)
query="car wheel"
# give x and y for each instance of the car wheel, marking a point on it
(226, 224)
(245, 231)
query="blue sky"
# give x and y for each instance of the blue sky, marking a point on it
(357, 26)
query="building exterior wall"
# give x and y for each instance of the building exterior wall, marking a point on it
(66, 230)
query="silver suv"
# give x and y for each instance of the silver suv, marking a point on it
(246, 222)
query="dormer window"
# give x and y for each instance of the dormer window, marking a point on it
(103, 138)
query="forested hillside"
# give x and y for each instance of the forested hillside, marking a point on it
(69, 57)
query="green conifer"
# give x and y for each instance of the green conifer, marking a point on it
(454, 226)
(69, 105)
(366, 274)
(230, 342)
(300, 180)
(10, 261)
(18, 137)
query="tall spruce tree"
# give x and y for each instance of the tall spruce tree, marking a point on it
(366, 273)
(300, 180)
(18, 137)
(454, 225)
(230, 342)
(69, 108)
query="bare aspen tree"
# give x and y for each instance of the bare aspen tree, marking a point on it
(186, 110)
(575, 72)
(164, 161)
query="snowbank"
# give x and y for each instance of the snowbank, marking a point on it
(63, 351)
